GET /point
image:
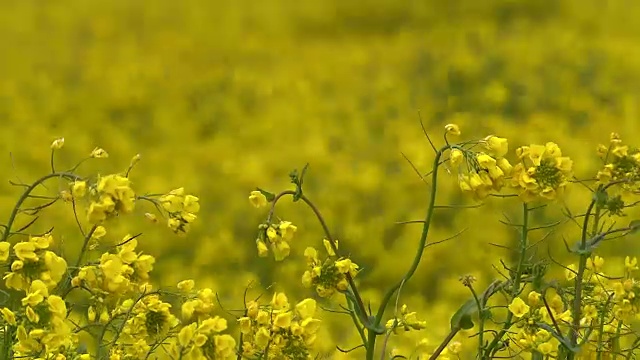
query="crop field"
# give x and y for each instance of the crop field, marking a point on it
(223, 97)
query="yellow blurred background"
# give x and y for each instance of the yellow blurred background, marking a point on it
(224, 96)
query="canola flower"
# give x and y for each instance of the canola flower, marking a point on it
(558, 323)
(107, 294)
(549, 80)
(589, 315)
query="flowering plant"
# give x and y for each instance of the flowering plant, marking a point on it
(101, 304)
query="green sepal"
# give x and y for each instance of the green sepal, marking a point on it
(270, 196)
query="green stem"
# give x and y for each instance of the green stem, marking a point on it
(354, 318)
(480, 306)
(25, 195)
(600, 329)
(360, 308)
(416, 261)
(615, 346)
(516, 281)
(576, 311)
(444, 343)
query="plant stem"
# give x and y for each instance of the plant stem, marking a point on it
(480, 305)
(25, 195)
(516, 281)
(416, 261)
(582, 265)
(444, 343)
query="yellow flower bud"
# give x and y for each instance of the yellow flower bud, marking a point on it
(99, 153)
(452, 129)
(57, 143)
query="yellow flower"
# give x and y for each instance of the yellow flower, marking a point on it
(281, 250)
(456, 157)
(263, 250)
(191, 204)
(99, 232)
(37, 293)
(91, 314)
(245, 324)
(455, 347)
(25, 251)
(306, 308)
(215, 324)
(343, 265)
(596, 263)
(545, 348)
(280, 301)
(17, 265)
(283, 320)
(32, 315)
(262, 337)
(535, 153)
(518, 308)
(79, 189)
(452, 129)
(8, 316)
(258, 199)
(186, 285)
(186, 334)
(57, 306)
(57, 143)
(4, 250)
(287, 229)
(534, 298)
(504, 165)
(498, 146)
(104, 316)
(486, 161)
(631, 264)
(570, 272)
(99, 153)
(463, 182)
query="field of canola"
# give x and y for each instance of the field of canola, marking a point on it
(224, 96)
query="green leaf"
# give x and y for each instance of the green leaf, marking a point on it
(634, 225)
(270, 196)
(462, 318)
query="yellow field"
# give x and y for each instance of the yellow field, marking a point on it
(224, 96)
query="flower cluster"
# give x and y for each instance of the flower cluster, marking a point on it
(276, 237)
(481, 172)
(534, 318)
(622, 164)
(203, 340)
(110, 195)
(32, 260)
(278, 330)
(40, 323)
(181, 209)
(406, 321)
(541, 173)
(609, 303)
(117, 272)
(146, 321)
(113, 300)
(199, 307)
(327, 276)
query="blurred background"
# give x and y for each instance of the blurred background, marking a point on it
(224, 96)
